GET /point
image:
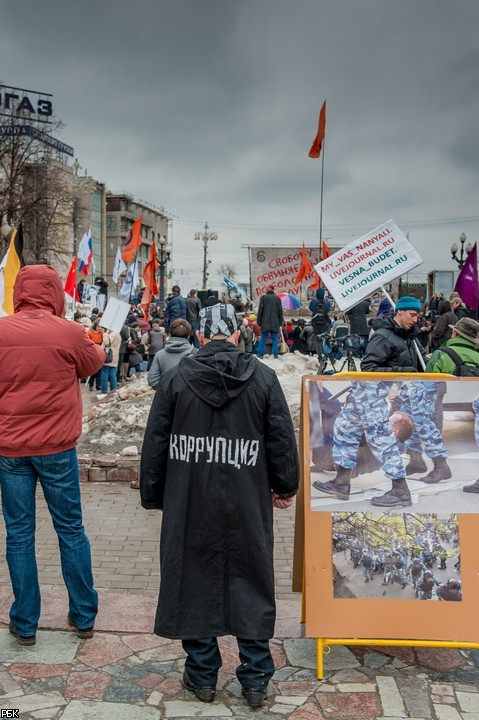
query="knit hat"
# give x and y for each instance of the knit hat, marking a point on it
(467, 328)
(408, 303)
(218, 319)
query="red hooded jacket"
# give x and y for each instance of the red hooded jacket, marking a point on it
(41, 359)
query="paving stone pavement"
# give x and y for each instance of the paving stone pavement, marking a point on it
(125, 671)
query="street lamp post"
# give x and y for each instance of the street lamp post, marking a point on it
(164, 257)
(463, 254)
(205, 237)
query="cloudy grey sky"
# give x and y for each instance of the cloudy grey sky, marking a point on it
(209, 107)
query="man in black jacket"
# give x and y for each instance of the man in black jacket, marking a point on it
(270, 319)
(219, 453)
(393, 347)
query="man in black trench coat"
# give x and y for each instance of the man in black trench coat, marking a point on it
(219, 453)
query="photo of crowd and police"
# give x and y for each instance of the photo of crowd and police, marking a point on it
(400, 556)
(386, 445)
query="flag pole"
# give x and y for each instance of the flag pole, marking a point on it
(321, 203)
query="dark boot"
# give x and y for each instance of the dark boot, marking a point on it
(441, 471)
(416, 463)
(474, 488)
(398, 496)
(339, 486)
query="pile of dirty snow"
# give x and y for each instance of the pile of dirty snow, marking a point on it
(120, 419)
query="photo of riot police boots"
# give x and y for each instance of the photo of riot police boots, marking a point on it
(474, 488)
(416, 463)
(440, 471)
(398, 496)
(339, 486)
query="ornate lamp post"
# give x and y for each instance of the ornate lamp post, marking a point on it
(205, 237)
(164, 256)
(463, 254)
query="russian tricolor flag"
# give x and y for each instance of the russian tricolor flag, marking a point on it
(85, 253)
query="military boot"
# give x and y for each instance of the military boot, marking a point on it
(416, 464)
(440, 471)
(398, 496)
(474, 488)
(339, 486)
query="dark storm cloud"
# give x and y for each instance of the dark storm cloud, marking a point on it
(208, 107)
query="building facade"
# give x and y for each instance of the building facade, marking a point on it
(121, 212)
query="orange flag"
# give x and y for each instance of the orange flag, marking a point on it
(325, 253)
(132, 241)
(315, 151)
(305, 268)
(149, 276)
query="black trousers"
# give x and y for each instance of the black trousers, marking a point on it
(204, 660)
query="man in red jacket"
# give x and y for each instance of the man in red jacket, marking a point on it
(43, 356)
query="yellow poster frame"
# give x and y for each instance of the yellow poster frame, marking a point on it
(340, 621)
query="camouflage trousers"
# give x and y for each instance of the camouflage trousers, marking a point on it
(365, 415)
(419, 402)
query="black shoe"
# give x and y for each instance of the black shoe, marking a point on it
(474, 488)
(255, 697)
(441, 471)
(393, 498)
(22, 639)
(416, 463)
(83, 633)
(205, 694)
(339, 491)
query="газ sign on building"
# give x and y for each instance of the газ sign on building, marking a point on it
(279, 266)
(364, 265)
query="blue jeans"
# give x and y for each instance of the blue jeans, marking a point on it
(262, 343)
(204, 661)
(59, 477)
(108, 373)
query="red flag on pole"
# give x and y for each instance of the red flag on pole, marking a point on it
(70, 286)
(305, 268)
(315, 151)
(325, 251)
(149, 276)
(132, 241)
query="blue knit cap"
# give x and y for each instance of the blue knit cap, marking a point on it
(408, 303)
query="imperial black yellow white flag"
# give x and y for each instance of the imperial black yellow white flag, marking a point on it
(9, 267)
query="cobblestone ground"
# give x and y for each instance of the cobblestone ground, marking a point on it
(127, 672)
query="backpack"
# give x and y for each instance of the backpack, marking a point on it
(463, 368)
(320, 316)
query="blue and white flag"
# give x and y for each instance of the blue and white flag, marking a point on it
(231, 285)
(131, 281)
(119, 266)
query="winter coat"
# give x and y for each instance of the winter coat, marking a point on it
(112, 341)
(175, 308)
(175, 349)
(391, 348)
(308, 337)
(43, 356)
(270, 312)
(193, 307)
(441, 330)
(357, 317)
(155, 340)
(440, 362)
(219, 440)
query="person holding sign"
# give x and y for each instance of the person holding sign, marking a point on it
(392, 348)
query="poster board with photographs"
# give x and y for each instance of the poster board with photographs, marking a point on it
(406, 571)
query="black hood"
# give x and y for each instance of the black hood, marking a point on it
(386, 320)
(218, 373)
